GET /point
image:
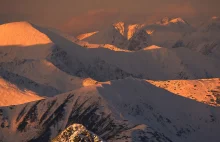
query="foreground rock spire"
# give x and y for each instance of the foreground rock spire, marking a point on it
(76, 133)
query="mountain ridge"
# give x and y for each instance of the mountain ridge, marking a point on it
(140, 114)
(146, 93)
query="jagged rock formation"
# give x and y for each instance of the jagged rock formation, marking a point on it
(76, 133)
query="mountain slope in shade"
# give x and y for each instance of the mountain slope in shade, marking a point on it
(147, 114)
(183, 54)
(212, 25)
(205, 39)
(175, 33)
(108, 46)
(44, 72)
(138, 41)
(168, 31)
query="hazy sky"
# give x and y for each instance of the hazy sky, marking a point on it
(84, 14)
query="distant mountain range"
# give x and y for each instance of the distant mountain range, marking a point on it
(168, 32)
(130, 82)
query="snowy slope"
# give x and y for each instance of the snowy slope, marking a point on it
(44, 72)
(16, 89)
(147, 114)
(205, 39)
(12, 95)
(24, 51)
(109, 35)
(212, 25)
(139, 40)
(203, 90)
(164, 63)
(22, 40)
(160, 63)
(121, 35)
(50, 64)
(165, 32)
(168, 31)
(102, 64)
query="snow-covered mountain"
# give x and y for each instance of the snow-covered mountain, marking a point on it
(148, 113)
(162, 33)
(138, 41)
(205, 39)
(43, 72)
(50, 84)
(202, 90)
(121, 35)
(109, 35)
(127, 30)
(177, 22)
(98, 63)
(168, 32)
(212, 25)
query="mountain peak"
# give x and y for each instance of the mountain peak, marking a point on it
(120, 26)
(167, 20)
(178, 20)
(21, 33)
(127, 30)
(27, 23)
(132, 29)
(120, 23)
